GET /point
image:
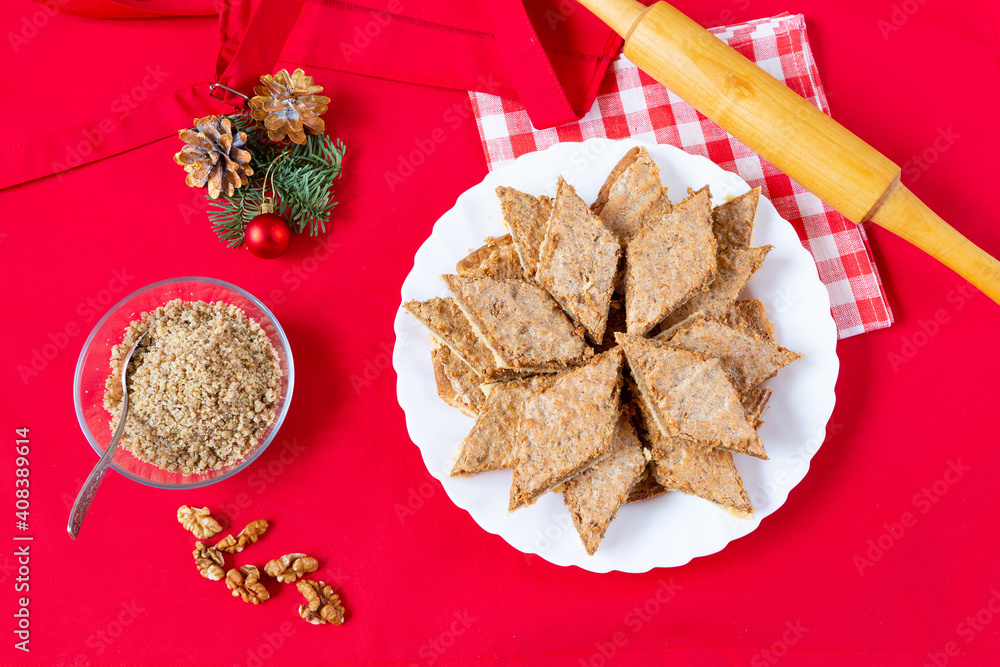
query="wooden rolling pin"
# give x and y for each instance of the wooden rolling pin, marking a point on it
(802, 141)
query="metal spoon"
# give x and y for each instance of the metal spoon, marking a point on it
(89, 490)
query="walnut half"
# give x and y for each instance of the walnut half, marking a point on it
(245, 583)
(198, 521)
(250, 534)
(209, 561)
(322, 604)
(290, 567)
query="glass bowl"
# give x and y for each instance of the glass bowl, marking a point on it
(94, 366)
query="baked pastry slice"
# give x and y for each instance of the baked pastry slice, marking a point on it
(689, 396)
(578, 261)
(676, 464)
(630, 190)
(496, 259)
(668, 261)
(520, 323)
(457, 384)
(707, 473)
(646, 486)
(747, 359)
(449, 326)
(754, 401)
(624, 163)
(490, 443)
(732, 222)
(526, 217)
(735, 268)
(749, 314)
(616, 322)
(566, 427)
(594, 496)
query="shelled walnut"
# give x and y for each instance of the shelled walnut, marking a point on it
(290, 567)
(209, 561)
(245, 583)
(198, 521)
(322, 604)
(250, 534)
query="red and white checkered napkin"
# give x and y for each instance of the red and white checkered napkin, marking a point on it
(632, 104)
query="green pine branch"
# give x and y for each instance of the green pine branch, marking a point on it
(303, 178)
(229, 215)
(300, 183)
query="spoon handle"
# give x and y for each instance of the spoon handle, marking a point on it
(87, 493)
(96, 476)
(89, 489)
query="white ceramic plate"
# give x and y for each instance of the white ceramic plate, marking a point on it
(673, 528)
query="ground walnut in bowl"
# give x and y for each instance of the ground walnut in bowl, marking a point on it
(203, 386)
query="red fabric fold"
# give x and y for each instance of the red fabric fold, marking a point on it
(456, 45)
(137, 9)
(528, 66)
(96, 140)
(551, 54)
(261, 38)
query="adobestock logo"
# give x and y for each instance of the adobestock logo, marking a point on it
(634, 621)
(99, 642)
(915, 167)
(454, 117)
(88, 311)
(363, 36)
(773, 654)
(552, 533)
(93, 136)
(967, 630)
(911, 345)
(727, 15)
(269, 644)
(30, 25)
(415, 500)
(900, 16)
(433, 650)
(922, 501)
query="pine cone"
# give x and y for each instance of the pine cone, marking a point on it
(289, 105)
(214, 155)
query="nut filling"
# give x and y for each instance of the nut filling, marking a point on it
(203, 386)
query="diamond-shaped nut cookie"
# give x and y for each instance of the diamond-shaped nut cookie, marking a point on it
(290, 567)
(250, 534)
(245, 583)
(322, 604)
(209, 561)
(198, 521)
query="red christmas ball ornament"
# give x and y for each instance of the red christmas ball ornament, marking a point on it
(267, 235)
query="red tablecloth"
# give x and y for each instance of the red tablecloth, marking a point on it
(885, 554)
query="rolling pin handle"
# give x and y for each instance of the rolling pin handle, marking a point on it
(785, 129)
